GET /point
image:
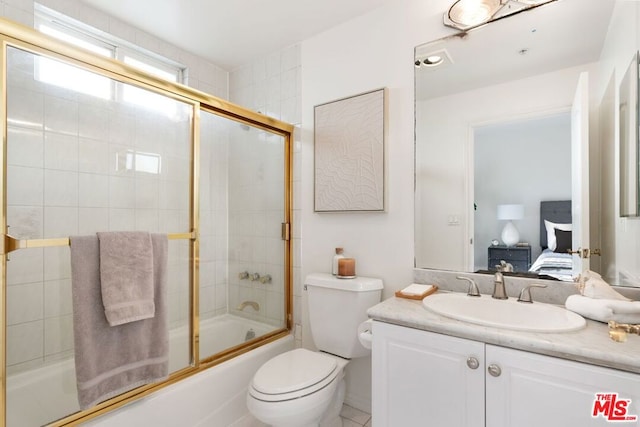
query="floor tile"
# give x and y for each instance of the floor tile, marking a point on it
(351, 417)
(355, 415)
(248, 421)
(348, 423)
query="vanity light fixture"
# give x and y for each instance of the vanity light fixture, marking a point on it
(470, 13)
(467, 14)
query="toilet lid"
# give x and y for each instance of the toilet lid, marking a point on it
(294, 370)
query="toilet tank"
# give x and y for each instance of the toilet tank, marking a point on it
(336, 309)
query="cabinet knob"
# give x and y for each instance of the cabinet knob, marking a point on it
(473, 363)
(494, 370)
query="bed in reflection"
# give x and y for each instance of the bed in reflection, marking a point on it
(555, 240)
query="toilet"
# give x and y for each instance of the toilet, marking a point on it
(303, 388)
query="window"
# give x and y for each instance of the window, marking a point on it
(140, 96)
(74, 32)
(70, 77)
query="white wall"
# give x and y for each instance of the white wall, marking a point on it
(369, 52)
(366, 53)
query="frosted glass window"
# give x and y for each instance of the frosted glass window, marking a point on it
(79, 34)
(69, 77)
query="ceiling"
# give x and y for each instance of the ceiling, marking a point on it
(558, 35)
(230, 33)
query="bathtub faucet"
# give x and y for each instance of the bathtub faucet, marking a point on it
(253, 304)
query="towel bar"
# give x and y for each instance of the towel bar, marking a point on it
(11, 243)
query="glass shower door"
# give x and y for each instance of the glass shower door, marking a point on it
(242, 253)
(82, 158)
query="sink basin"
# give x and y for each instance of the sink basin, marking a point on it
(504, 314)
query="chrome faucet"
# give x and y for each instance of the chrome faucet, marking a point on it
(498, 287)
(525, 294)
(252, 304)
(473, 287)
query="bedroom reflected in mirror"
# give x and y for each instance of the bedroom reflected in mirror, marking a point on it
(532, 188)
(628, 109)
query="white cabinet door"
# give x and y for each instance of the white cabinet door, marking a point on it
(423, 379)
(540, 391)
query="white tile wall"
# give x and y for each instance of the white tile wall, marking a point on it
(93, 190)
(25, 341)
(213, 215)
(25, 267)
(28, 148)
(57, 298)
(90, 219)
(27, 186)
(60, 151)
(19, 313)
(29, 221)
(60, 115)
(63, 180)
(256, 210)
(93, 156)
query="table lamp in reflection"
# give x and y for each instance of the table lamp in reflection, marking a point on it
(510, 213)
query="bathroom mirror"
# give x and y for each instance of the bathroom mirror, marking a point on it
(516, 76)
(628, 110)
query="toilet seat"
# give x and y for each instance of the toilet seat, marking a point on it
(292, 375)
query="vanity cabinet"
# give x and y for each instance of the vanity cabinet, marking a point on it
(422, 379)
(427, 379)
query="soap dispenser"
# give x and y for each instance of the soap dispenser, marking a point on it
(338, 255)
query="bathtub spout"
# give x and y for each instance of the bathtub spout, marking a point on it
(252, 304)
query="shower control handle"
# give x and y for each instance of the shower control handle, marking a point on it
(243, 275)
(265, 279)
(253, 277)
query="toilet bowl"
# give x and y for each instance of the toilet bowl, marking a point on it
(298, 388)
(303, 388)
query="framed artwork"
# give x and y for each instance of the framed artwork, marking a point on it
(349, 139)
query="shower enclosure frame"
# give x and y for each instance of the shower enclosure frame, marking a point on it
(14, 35)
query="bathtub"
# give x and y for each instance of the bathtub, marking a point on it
(43, 394)
(216, 334)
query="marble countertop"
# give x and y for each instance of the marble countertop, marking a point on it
(590, 344)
